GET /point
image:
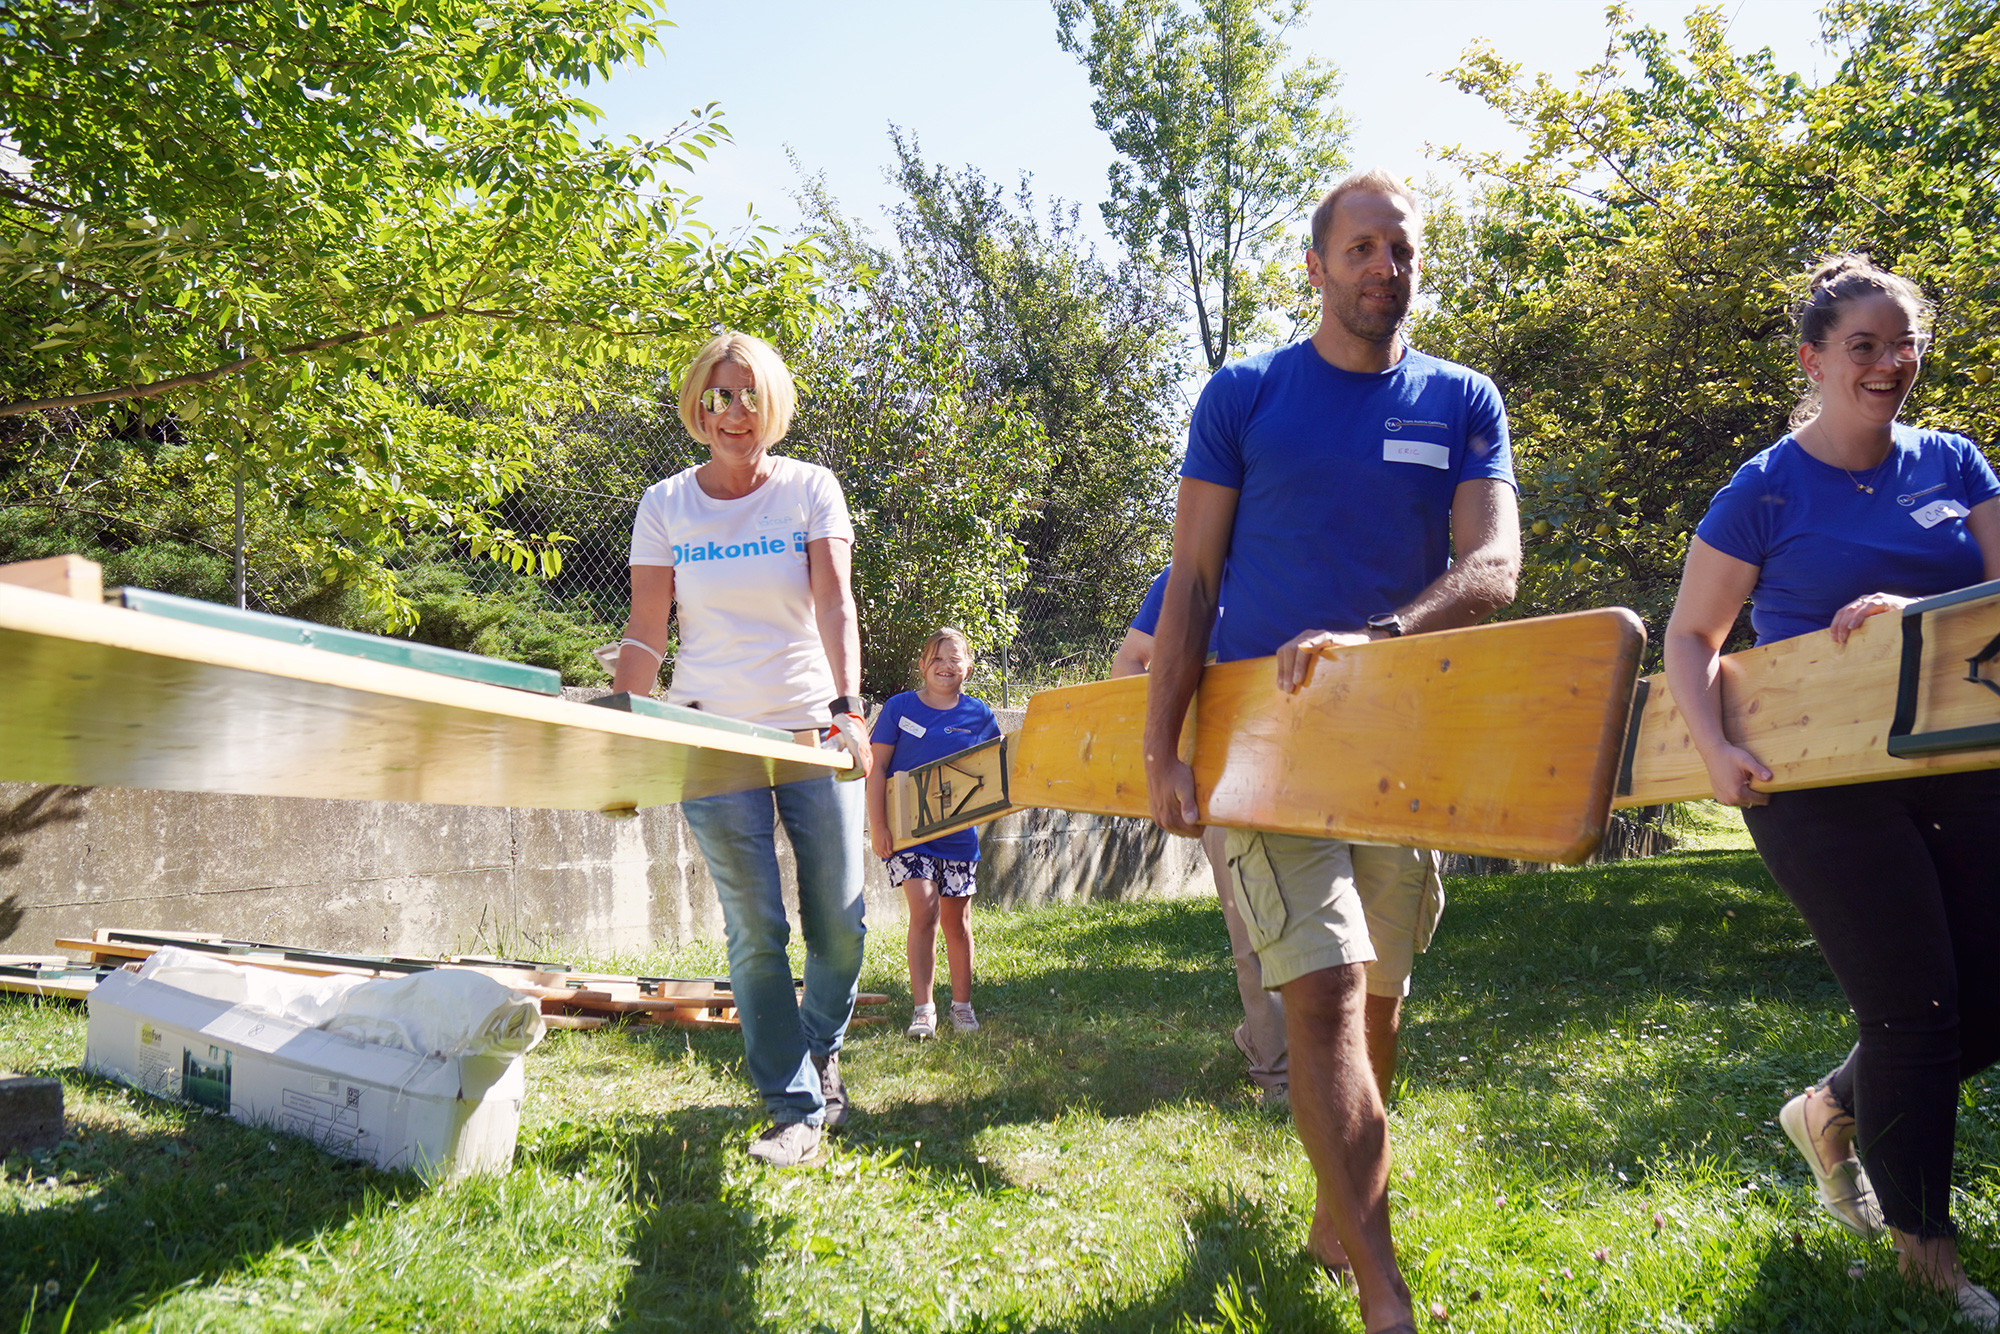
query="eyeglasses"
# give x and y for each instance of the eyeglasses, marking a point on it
(715, 402)
(1868, 351)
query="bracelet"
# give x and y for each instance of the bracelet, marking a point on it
(640, 643)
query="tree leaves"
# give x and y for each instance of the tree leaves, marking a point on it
(1628, 279)
(1224, 145)
(330, 236)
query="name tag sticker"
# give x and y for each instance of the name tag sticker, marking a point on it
(1935, 513)
(1416, 451)
(912, 726)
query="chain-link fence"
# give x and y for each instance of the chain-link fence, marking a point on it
(1087, 562)
(1069, 614)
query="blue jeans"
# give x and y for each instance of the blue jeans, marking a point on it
(737, 834)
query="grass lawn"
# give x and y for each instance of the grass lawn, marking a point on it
(1583, 1141)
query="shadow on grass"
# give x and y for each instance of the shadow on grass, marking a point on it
(1691, 971)
(1244, 1270)
(164, 1209)
(1798, 1289)
(700, 1243)
(699, 1240)
(1117, 1011)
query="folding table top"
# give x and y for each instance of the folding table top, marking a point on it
(115, 696)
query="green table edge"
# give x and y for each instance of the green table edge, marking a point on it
(352, 643)
(626, 702)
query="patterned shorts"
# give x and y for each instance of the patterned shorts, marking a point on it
(955, 880)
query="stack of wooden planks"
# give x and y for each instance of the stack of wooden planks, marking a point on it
(569, 998)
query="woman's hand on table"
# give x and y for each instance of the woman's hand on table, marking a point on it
(1849, 618)
(1731, 770)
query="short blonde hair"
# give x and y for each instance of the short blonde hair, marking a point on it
(1376, 181)
(777, 396)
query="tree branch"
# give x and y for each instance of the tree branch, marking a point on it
(126, 393)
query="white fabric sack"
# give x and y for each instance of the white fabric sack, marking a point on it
(309, 1001)
(441, 1012)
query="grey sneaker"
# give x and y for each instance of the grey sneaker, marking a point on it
(1276, 1099)
(787, 1144)
(1978, 1308)
(963, 1020)
(832, 1089)
(923, 1024)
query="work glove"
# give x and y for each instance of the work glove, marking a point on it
(850, 733)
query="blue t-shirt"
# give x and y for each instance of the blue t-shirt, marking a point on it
(1819, 541)
(1346, 483)
(1147, 621)
(921, 734)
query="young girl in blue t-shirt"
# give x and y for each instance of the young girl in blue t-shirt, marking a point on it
(938, 878)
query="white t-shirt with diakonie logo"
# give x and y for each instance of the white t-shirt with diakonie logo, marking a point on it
(750, 645)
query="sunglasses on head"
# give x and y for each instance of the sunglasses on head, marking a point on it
(715, 402)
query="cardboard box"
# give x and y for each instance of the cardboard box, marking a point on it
(355, 1099)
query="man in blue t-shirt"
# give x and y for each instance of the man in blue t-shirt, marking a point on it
(1352, 488)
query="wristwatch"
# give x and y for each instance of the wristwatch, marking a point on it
(1386, 623)
(853, 704)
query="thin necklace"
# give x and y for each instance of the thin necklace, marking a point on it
(1859, 485)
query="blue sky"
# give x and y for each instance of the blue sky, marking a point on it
(983, 82)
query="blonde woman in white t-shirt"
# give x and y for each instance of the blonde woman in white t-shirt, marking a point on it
(756, 550)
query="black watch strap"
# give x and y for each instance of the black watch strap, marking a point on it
(848, 704)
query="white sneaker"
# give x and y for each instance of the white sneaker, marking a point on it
(963, 1020)
(923, 1024)
(1844, 1189)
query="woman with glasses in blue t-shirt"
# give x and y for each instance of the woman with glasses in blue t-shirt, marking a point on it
(1850, 515)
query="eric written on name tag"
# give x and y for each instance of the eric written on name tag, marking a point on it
(912, 726)
(1935, 513)
(1416, 451)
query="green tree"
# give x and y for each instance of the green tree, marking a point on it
(1091, 352)
(358, 252)
(936, 473)
(1224, 146)
(1628, 280)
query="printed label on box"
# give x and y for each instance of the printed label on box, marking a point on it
(159, 1073)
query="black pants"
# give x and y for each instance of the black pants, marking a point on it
(1900, 882)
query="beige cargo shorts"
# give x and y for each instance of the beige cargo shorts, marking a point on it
(1313, 903)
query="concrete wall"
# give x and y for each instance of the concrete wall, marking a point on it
(382, 877)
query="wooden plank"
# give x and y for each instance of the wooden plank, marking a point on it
(74, 982)
(104, 695)
(65, 576)
(584, 1021)
(560, 991)
(1501, 740)
(1818, 713)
